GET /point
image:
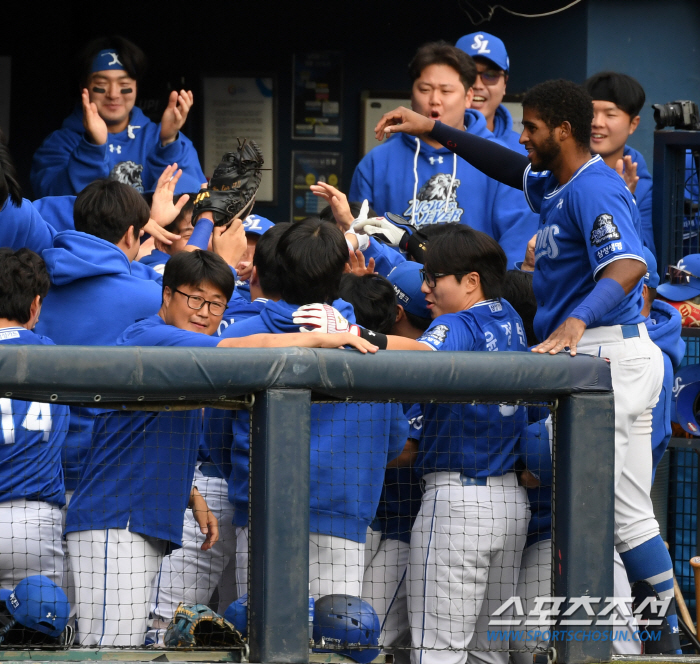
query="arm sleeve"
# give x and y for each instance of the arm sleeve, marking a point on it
(63, 167)
(492, 159)
(181, 151)
(385, 258)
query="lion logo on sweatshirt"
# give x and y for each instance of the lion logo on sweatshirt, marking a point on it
(128, 172)
(435, 202)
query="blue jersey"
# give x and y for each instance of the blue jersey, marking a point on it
(476, 441)
(139, 469)
(239, 309)
(31, 439)
(534, 448)
(585, 225)
(402, 494)
(67, 162)
(156, 260)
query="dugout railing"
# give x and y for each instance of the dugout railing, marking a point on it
(279, 386)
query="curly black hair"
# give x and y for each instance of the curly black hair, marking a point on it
(559, 101)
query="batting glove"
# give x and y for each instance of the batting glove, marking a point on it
(322, 318)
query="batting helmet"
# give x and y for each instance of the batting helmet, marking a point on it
(686, 389)
(237, 614)
(348, 623)
(36, 612)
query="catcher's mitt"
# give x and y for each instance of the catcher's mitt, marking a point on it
(234, 184)
(198, 626)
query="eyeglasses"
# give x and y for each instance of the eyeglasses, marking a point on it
(675, 275)
(490, 76)
(429, 278)
(196, 302)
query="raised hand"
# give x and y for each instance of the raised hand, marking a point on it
(403, 120)
(163, 210)
(95, 126)
(175, 115)
(229, 242)
(627, 170)
(338, 202)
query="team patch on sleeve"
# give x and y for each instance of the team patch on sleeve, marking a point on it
(604, 230)
(435, 336)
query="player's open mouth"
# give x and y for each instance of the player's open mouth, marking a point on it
(598, 137)
(478, 99)
(434, 115)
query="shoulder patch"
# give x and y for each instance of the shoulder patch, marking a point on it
(436, 336)
(12, 334)
(604, 230)
(495, 307)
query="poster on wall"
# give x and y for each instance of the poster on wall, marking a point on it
(317, 102)
(309, 168)
(240, 107)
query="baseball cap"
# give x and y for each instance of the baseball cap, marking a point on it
(255, 224)
(686, 392)
(651, 278)
(38, 603)
(484, 45)
(406, 280)
(684, 280)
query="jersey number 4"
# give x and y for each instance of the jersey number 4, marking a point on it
(38, 418)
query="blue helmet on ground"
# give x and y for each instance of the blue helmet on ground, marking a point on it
(349, 625)
(237, 614)
(686, 393)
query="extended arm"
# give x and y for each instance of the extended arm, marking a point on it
(490, 158)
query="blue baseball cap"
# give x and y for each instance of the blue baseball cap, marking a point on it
(686, 388)
(651, 278)
(679, 292)
(484, 45)
(38, 603)
(256, 224)
(406, 280)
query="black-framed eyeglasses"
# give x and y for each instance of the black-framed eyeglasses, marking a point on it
(676, 275)
(490, 76)
(430, 277)
(196, 302)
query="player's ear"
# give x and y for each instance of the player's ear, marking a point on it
(468, 98)
(34, 311)
(254, 277)
(564, 130)
(471, 281)
(167, 295)
(634, 123)
(400, 313)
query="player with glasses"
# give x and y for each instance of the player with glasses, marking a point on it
(196, 302)
(492, 66)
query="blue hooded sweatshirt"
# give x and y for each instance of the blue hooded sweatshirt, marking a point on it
(642, 194)
(95, 295)
(67, 162)
(664, 327)
(23, 226)
(503, 130)
(430, 185)
(57, 212)
(350, 447)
